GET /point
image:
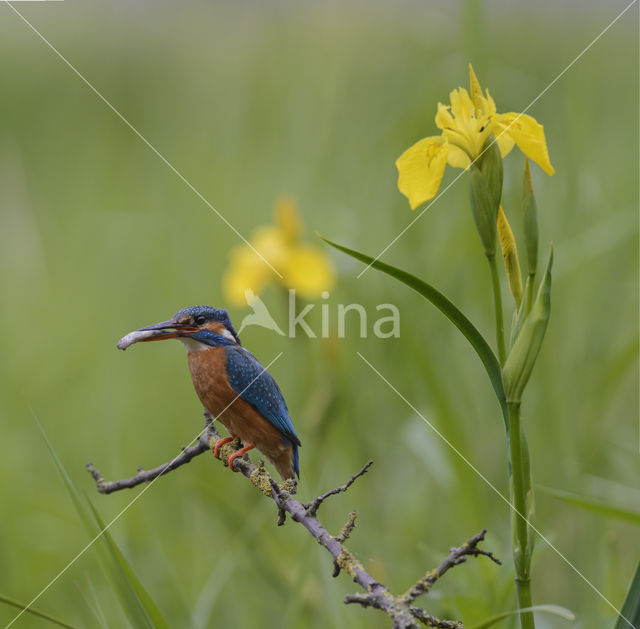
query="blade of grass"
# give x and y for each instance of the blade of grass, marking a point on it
(556, 610)
(142, 611)
(93, 602)
(631, 606)
(141, 593)
(7, 600)
(593, 504)
(449, 309)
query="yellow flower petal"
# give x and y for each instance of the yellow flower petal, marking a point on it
(308, 270)
(505, 142)
(246, 270)
(461, 105)
(288, 219)
(528, 134)
(444, 119)
(420, 169)
(467, 124)
(270, 242)
(305, 268)
(457, 158)
(489, 105)
(485, 105)
(475, 89)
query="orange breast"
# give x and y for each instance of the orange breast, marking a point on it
(210, 380)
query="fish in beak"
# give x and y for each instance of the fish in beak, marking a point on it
(156, 332)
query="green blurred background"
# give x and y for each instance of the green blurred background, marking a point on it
(248, 101)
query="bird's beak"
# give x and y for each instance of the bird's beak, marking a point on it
(156, 332)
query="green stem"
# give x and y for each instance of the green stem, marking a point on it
(522, 500)
(497, 301)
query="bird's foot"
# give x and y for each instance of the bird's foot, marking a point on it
(218, 444)
(239, 453)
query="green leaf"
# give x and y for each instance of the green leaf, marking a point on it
(630, 612)
(593, 504)
(521, 314)
(522, 357)
(141, 593)
(471, 333)
(556, 610)
(140, 607)
(7, 600)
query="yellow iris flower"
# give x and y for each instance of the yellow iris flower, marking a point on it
(466, 125)
(304, 268)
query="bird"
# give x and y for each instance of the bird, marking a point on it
(231, 384)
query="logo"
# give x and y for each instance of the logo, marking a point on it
(331, 317)
(260, 316)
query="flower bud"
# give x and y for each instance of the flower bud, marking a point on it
(519, 364)
(510, 255)
(490, 163)
(485, 192)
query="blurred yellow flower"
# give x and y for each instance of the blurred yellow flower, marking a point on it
(304, 268)
(466, 125)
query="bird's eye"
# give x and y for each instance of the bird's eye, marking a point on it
(200, 319)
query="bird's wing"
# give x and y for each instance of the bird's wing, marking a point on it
(254, 384)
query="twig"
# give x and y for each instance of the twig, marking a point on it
(146, 476)
(313, 506)
(347, 529)
(432, 621)
(455, 557)
(398, 608)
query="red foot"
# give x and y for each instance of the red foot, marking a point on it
(219, 444)
(240, 452)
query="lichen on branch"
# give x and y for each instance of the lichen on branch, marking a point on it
(399, 608)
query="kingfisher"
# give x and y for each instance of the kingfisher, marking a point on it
(231, 384)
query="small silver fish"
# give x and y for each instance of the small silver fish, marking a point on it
(134, 337)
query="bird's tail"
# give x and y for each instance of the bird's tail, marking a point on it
(296, 460)
(287, 463)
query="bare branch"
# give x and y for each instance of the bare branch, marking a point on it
(455, 557)
(432, 621)
(313, 506)
(377, 595)
(146, 476)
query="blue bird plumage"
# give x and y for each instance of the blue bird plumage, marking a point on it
(231, 383)
(254, 384)
(205, 314)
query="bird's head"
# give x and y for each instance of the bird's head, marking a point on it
(196, 326)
